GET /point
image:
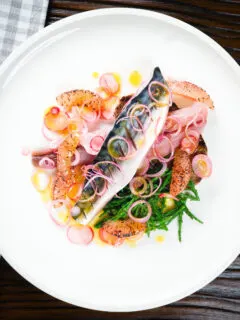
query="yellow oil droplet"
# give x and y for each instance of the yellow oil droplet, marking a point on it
(46, 111)
(119, 81)
(103, 94)
(131, 243)
(140, 142)
(95, 74)
(46, 195)
(95, 219)
(72, 127)
(97, 239)
(40, 180)
(135, 78)
(117, 77)
(63, 215)
(73, 222)
(160, 239)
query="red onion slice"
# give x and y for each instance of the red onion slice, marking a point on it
(48, 134)
(93, 141)
(152, 192)
(47, 163)
(144, 219)
(79, 126)
(136, 183)
(59, 212)
(109, 83)
(108, 162)
(77, 158)
(190, 142)
(80, 234)
(94, 185)
(162, 87)
(133, 117)
(96, 143)
(202, 166)
(171, 127)
(89, 116)
(112, 150)
(160, 153)
(75, 211)
(160, 172)
(25, 151)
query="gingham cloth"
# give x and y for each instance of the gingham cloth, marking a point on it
(19, 19)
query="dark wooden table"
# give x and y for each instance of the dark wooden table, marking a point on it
(221, 298)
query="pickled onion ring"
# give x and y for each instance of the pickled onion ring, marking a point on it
(190, 142)
(49, 135)
(163, 86)
(112, 150)
(47, 163)
(80, 234)
(54, 209)
(77, 158)
(156, 151)
(75, 211)
(169, 128)
(96, 143)
(152, 192)
(160, 172)
(144, 219)
(137, 182)
(89, 115)
(202, 166)
(109, 83)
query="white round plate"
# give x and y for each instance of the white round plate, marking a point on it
(62, 57)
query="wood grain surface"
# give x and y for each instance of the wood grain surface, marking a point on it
(218, 300)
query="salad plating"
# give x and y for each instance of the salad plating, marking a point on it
(119, 167)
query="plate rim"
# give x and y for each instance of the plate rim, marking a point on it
(117, 11)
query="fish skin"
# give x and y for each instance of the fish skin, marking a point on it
(121, 105)
(128, 167)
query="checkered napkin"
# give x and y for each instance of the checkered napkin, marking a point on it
(19, 19)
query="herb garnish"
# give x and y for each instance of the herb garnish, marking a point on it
(164, 210)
